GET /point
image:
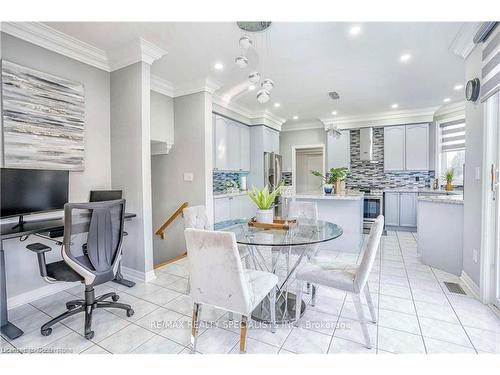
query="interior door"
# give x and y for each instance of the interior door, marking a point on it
(493, 110)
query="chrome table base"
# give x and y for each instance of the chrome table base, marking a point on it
(285, 309)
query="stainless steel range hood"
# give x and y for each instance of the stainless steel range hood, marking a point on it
(366, 144)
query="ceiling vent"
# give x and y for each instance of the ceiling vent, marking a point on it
(334, 95)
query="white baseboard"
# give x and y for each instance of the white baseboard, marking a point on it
(33, 295)
(470, 284)
(130, 273)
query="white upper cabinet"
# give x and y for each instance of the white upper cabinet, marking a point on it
(244, 148)
(338, 150)
(271, 140)
(406, 147)
(394, 148)
(231, 145)
(221, 144)
(417, 147)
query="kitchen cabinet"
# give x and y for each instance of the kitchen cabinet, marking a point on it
(221, 209)
(233, 207)
(417, 147)
(339, 150)
(408, 210)
(400, 209)
(271, 140)
(394, 148)
(231, 145)
(406, 147)
(391, 209)
(244, 148)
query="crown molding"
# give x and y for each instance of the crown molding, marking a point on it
(306, 125)
(463, 43)
(162, 86)
(44, 36)
(453, 109)
(160, 148)
(205, 85)
(139, 50)
(53, 40)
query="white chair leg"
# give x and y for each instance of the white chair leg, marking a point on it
(313, 295)
(272, 308)
(194, 326)
(308, 288)
(243, 334)
(247, 262)
(361, 318)
(369, 300)
(298, 302)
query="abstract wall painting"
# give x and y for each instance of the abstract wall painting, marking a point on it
(43, 120)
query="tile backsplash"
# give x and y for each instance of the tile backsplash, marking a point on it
(366, 173)
(224, 180)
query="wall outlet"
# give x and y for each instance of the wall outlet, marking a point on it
(474, 255)
(188, 177)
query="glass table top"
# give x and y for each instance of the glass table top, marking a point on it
(306, 232)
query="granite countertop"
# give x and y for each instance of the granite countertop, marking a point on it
(451, 199)
(228, 195)
(423, 190)
(347, 195)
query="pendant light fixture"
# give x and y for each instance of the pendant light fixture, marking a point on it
(267, 84)
(263, 96)
(241, 61)
(254, 77)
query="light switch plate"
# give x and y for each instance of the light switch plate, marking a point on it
(474, 255)
(188, 176)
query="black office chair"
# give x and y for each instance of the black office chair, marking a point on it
(99, 225)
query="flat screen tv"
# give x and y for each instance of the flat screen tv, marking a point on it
(28, 191)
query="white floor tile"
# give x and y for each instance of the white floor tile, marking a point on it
(95, 349)
(437, 312)
(434, 346)
(396, 304)
(436, 329)
(399, 321)
(305, 341)
(485, 341)
(159, 345)
(126, 340)
(399, 342)
(216, 341)
(255, 347)
(351, 330)
(73, 343)
(339, 345)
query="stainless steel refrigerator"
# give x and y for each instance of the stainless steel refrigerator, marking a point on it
(272, 175)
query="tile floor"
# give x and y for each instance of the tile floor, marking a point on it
(416, 314)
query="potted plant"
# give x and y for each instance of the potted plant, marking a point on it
(448, 176)
(264, 200)
(333, 179)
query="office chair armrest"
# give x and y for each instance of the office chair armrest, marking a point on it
(40, 249)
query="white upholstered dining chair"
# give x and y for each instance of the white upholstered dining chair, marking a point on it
(351, 278)
(218, 279)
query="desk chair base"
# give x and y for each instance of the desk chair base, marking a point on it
(87, 306)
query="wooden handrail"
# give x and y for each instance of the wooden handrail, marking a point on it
(161, 231)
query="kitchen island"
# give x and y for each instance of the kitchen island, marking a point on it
(344, 209)
(440, 220)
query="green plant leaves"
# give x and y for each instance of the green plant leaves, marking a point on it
(263, 198)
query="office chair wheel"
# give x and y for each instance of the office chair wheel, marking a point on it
(71, 306)
(90, 335)
(130, 312)
(46, 332)
(115, 298)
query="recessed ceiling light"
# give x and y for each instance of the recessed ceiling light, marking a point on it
(355, 30)
(277, 105)
(334, 113)
(405, 57)
(458, 87)
(446, 100)
(251, 87)
(394, 106)
(295, 117)
(218, 66)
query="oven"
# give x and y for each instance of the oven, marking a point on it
(373, 206)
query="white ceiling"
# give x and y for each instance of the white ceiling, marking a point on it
(306, 61)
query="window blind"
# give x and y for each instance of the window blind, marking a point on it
(453, 135)
(490, 72)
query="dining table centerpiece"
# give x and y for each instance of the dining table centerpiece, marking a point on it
(264, 199)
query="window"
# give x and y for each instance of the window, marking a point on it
(452, 149)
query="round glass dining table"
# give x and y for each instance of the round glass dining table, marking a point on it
(280, 251)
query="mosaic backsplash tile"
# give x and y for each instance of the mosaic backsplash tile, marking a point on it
(366, 173)
(225, 180)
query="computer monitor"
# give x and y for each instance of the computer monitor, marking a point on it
(29, 191)
(105, 195)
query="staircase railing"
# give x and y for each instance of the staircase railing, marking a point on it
(161, 231)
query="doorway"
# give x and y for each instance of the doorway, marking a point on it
(304, 160)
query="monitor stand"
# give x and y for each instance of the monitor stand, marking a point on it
(20, 223)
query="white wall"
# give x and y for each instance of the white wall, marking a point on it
(192, 153)
(22, 267)
(130, 160)
(473, 159)
(289, 139)
(162, 118)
